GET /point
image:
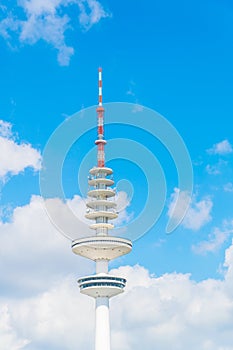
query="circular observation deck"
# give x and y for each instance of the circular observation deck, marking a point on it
(101, 202)
(100, 181)
(100, 170)
(102, 285)
(101, 247)
(101, 213)
(101, 193)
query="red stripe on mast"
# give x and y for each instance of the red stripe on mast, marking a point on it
(100, 142)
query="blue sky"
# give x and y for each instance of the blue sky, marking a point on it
(171, 57)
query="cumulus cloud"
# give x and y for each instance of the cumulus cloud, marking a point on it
(215, 239)
(173, 304)
(198, 214)
(91, 12)
(41, 307)
(32, 247)
(228, 263)
(49, 21)
(48, 312)
(222, 148)
(150, 309)
(38, 283)
(33, 252)
(177, 211)
(9, 338)
(69, 216)
(15, 157)
(122, 202)
(5, 129)
(59, 318)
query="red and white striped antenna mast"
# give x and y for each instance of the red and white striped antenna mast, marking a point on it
(100, 142)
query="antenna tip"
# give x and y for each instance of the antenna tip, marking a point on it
(100, 69)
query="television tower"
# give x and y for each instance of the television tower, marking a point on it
(101, 247)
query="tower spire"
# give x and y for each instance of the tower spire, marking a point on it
(100, 142)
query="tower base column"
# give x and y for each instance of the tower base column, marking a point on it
(102, 335)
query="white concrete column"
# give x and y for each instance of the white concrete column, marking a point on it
(101, 266)
(102, 327)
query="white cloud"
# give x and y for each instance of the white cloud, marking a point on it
(150, 309)
(59, 318)
(32, 248)
(47, 20)
(5, 129)
(39, 7)
(9, 338)
(51, 29)
(41, 307)
(123, 202)
(172, 304)
(221, 148)
(15, 157)
(70, 219)
(33, 252)
(228, 263)
(9, 25)
(228, 187)
(91, 12)
(198, 214)
(215, 239)
(216, 169)
(175, 211)
(42, 304)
